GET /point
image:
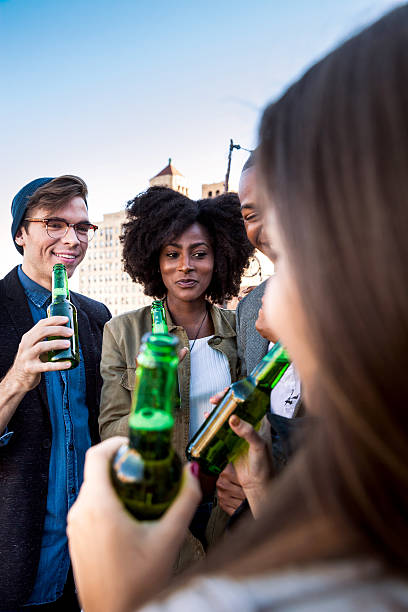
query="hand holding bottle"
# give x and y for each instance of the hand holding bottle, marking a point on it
(215, 444)
(253, 469)
(230, 494)
(119, 562)
(250, 473)
(28, 364)
(61, 306)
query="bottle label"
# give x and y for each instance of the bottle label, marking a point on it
(214, 424)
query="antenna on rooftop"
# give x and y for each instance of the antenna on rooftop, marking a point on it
(231, 147)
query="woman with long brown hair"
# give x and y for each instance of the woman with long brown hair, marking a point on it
(332, 531)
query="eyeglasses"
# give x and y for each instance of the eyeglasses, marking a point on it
(58, 228)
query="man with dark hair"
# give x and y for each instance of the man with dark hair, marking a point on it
(254, 339)
(48, 414)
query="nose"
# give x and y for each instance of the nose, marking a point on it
(185, 263)
(70, 237)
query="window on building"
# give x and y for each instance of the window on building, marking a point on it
(210, 194)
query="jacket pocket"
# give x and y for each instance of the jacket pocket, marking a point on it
(128, 379)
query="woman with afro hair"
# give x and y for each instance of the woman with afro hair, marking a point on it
(192, 256)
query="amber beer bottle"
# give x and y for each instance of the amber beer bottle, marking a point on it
(159, 324)
(146, 473)
(215, 444)
(61, 306)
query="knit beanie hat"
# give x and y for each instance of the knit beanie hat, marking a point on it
(19, 206)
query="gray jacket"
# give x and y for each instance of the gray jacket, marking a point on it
(251, 346)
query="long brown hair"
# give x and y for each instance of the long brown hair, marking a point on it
(333, 158)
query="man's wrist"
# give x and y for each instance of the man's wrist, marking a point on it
(11, 386)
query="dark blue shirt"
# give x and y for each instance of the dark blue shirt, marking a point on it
(70, 440)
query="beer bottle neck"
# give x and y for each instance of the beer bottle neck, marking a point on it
(159, 324)
(60, 289)
(151, 418)
(156, 376)
(268, 372)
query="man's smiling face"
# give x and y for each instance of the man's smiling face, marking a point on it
(251, 213)
(41, 251)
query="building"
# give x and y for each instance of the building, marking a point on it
(211, 190)
(170, 177)
(101, 275)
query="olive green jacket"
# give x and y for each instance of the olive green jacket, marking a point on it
(121, 343)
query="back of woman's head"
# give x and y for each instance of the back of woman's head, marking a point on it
(160, 215)
(333, 158)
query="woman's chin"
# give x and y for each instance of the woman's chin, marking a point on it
(187, 295)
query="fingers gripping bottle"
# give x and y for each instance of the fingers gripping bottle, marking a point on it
(61, 306)
(146, 473)
(215, 444)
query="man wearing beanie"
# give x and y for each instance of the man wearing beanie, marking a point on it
(48, 414)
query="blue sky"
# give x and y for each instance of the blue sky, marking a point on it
(110, 90)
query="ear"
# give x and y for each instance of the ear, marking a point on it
(19, 239)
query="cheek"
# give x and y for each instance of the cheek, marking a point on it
(211, 266)
(163, 264)
(252, 232)
(286, 317)
(283, 313)
(206, 268)
(274, 305)
(166, 268)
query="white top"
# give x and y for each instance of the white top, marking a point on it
(347, 586)
(285, 395)
(210, 373)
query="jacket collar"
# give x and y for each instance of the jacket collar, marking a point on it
(36, 293)
(222, 328)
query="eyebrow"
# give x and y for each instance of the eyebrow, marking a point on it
(250, 206)
(62, 219)
(192, 246)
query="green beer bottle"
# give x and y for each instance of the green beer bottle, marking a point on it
(146, 473)
(61, 306)
(215, 444)
(159, 324)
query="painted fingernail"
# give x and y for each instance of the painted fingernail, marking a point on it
(195, 469)
(234, 420)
